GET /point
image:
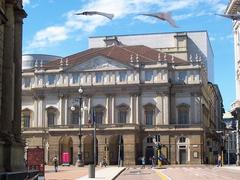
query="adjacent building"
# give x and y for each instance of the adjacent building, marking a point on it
(234, 8)
(11, 144)
(143, 89)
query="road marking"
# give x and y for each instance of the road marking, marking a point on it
(163, 176)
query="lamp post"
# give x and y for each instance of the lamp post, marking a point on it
(79, 160)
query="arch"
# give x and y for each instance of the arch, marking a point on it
(66, 149)
(116, 149)
(88, 148)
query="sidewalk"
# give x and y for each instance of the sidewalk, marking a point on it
(233, 167)
(73, 172)
(108, 173)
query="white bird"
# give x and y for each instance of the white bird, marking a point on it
(90, 13)
(165, 16)
(230, 16)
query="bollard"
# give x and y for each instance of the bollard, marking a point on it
(91, 171)
(121, 163)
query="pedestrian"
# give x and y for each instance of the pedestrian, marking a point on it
(143, 162)
(55, 162)
(153, 162)
(104, 162)
(219, 161)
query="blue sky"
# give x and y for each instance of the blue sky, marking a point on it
(51, 28)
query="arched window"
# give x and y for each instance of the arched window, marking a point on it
(149, 113)
(183, 114)
(99, 114)
(51, 116)
(26, 118)
(122, 113)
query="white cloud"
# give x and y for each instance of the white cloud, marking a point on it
(120, 9)
(25, 2)
(48, 36)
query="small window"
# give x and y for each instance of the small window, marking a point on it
(51, 79)
(122, 76)
(75, 117)
(182, 140)
(157, 138)
(75, 78)
(149, 140)
(26, 119)
(182, 76)
(99, 77)
(27, 82)
(148, 75)
(149, 117)
(51, 117)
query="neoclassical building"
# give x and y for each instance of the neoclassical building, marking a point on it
(140, 95)
(11, 144)
(234, 8)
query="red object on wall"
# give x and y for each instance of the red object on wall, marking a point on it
(35, 159)
(65, 158)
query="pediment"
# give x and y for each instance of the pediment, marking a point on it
(99, 63)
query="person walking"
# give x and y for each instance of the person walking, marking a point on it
(219, 161)
(55, 162)
(143, 162)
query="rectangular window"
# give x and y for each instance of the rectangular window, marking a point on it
(26, 120)
(27, 82)
(75, 78)
(75, 117)
(99, 77)
(50, 116)
(148, 75)
(99, 116)
(51, 79)
(122, 76)
(149, 117)
(122, 117)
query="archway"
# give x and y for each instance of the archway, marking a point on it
(116, 149)
(88, 150)
(66, 150)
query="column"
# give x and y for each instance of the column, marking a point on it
(107, 109)
(132, 107)
(35, 106)
(166, 108)
(192, 117)
(19, 15)
(113, 110)
(83, 118)
(8, 73)
(137, 119)
(41, 114)
(159, 105)
(65, 110)
(61, 109)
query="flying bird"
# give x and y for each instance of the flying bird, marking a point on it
(90, 13)
(165, 16)
(230, 16)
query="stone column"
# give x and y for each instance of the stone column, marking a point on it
(61, 109)
(138, 109)
(107, 109)
(41, 114)
(65, 110)
(8, 74)
(131, 109)
(113, 110)
(166, 108)
(35, 109)
(19, 15)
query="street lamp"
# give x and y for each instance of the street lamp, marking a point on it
(80, 162)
